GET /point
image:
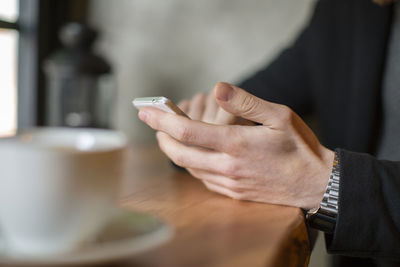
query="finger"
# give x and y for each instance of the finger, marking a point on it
(188, 156)
(245, 105)
(223, 191)
(188, 131)
(217, 178)
(210, 110)
(224, 117)
(184, 105)
(197, 107)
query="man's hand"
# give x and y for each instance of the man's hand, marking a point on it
(280, 161)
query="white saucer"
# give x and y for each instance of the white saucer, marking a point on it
(128, 234)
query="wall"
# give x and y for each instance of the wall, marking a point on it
(178, 47)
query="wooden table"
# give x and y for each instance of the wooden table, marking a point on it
(210, 229)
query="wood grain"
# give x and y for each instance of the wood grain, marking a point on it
(211, 229)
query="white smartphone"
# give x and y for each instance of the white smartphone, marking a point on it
(159, 102)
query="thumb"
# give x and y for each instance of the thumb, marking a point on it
(243, 104)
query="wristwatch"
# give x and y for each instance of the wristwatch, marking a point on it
(324, 216)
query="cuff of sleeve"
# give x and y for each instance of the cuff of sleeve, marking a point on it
(361, 228)
(337, 242)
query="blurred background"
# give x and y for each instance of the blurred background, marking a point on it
(85, 73)
(173, 48)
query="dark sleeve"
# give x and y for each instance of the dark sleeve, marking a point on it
(287, 79)
(368, 223)
(284, 81)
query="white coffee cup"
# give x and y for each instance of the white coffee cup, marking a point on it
(57, 187)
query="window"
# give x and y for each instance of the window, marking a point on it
(28, 34)
(8, 67)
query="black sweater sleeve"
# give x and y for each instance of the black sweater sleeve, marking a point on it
(286, 80)
(368, 223)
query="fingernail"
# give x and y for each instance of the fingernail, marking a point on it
(143, 115)
(224, 92)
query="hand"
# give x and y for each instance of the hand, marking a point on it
(203, 107)
(280, 161)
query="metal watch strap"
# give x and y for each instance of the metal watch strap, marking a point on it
(324, 217)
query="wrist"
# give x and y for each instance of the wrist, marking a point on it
(321, 179)
(323, 216)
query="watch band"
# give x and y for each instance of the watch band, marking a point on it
(324, 217)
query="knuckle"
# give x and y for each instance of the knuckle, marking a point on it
(235, 143)
(230, 169)
(286, 115)
(235, 186)
(184, 134)
(248, 104)
(179, 160)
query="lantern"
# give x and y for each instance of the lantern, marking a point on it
(80, 87)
